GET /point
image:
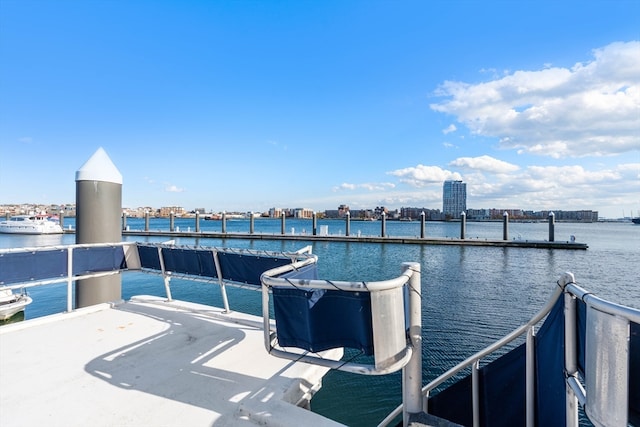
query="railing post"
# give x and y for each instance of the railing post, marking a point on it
(552, 221)
(383, 227)
(197, 222)
(251, 223)
(171, 221)
(60, 219)
(146, 220)
(463, 224)
(69, 279)
(422, 225)
(530, 392)
(412, 372)
(223, 289)
(475, 392)
(124, 221)
(570, 354)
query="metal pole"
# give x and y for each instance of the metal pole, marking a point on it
(552, 220)
(505, 225)
(463, 224)
(224, 222)
(197, 222)
(383, 227)
(146, 220)
(60, 219)
(422, 225)
(171, 221)
(412, 372)
(251, 223)
(124, 221)
(98, 212)
(348, 223)
(282, 221)
(315, 224)
(530, 387)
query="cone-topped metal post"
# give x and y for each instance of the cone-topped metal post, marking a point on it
(98, 215)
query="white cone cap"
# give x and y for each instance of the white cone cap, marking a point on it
(99, 167)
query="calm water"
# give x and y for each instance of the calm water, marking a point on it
(471, 295)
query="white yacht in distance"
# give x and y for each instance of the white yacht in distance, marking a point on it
(31, 224)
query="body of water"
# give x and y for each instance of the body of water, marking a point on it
(471, 295)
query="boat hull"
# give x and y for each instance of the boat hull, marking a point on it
(7, 310)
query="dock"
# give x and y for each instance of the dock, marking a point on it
(150, 362)
(403, 240)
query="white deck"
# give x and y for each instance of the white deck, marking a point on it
(149, 363)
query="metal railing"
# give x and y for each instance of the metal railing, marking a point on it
(604, 402)
(66, 274)
(392, 349)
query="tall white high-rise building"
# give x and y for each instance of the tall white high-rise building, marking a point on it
(454, 198)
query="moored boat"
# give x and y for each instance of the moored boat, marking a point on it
(31, 224)
(12, 303)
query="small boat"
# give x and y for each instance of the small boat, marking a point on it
(31, 224)
(636, 220)
(11, 303)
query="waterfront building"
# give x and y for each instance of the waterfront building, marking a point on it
(454, 199)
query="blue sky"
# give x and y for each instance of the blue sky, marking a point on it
(248, 105)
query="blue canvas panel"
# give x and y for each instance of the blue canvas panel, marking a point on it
(245, 268)
(93, 259)
(149, 257)
(197, 262)
(550, 382)
(18, 267)
(318, 320)
(503, 386)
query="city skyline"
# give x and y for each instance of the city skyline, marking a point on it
(245, 106)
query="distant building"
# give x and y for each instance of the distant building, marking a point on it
(454, 198)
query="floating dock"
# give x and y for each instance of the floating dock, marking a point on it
(517, 243)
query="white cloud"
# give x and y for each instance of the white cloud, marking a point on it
(449, 129)
(484, 163)
(590, 109)
(173, 189)
(422, 175)
(555, 187)
(381, 186)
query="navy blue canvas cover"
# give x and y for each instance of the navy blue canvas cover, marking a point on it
(247, 268)
(149, 257)
(18, 267)
(318, 320)
(197, 262)
(502, 384)
(94, 259)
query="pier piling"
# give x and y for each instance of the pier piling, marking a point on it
(98, 212)
(505, 226)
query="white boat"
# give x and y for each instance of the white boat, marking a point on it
(11, 303)
(31, 224)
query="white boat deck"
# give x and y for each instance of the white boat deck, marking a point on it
(147, 362)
